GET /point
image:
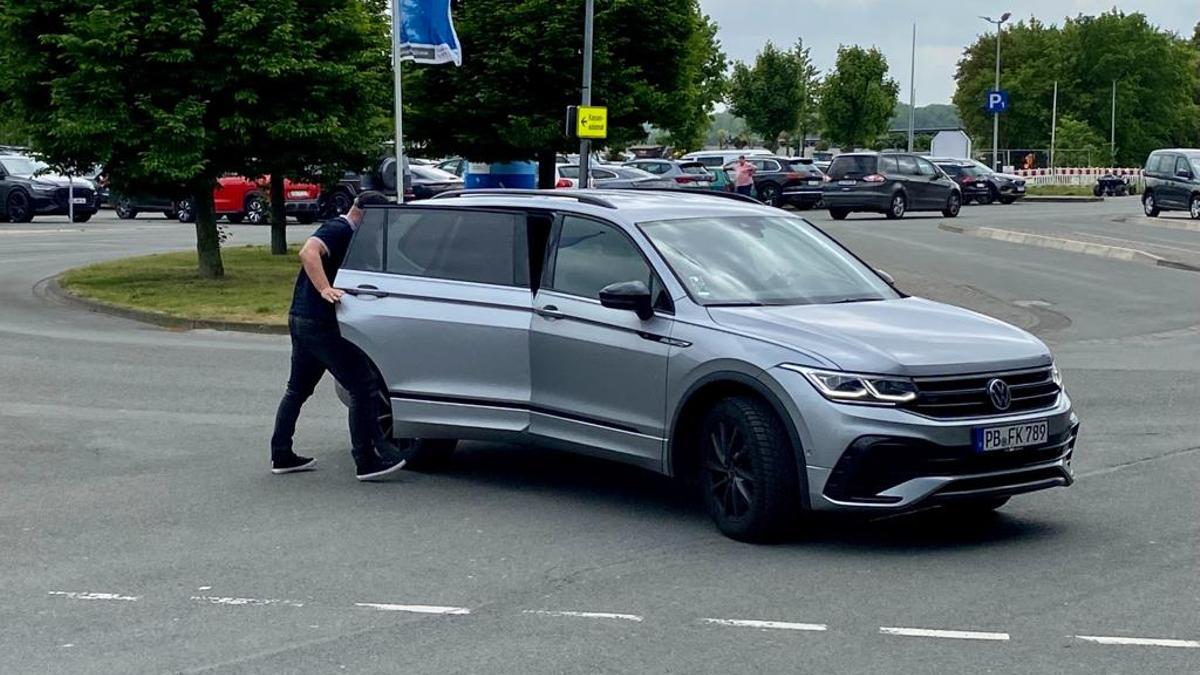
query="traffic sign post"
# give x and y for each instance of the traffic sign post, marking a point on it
(996, 101)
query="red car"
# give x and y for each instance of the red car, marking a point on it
(241, 199)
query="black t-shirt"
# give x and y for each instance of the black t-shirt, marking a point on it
(307, 303)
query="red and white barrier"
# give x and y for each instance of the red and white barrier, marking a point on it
(1076, 175)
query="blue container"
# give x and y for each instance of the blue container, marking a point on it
(518, 175)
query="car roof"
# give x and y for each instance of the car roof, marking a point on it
(629, 206)
(1179, 151)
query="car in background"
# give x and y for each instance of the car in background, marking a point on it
(1005, 188)
(456, 165)
(730, 345)
(717, 158)
(785, 180)
(236, 198)
(972, 180)
(613, 176)
(889, 183)
(1172, 182)
(429, 181)
(28, 188)
(381, 177)
(692, 175)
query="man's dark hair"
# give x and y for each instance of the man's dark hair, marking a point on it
(371, 198)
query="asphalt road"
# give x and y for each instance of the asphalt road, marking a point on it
(141, 532)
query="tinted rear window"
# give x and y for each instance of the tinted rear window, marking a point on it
(478, 246)
(803, 166)
(696, 169)
(853, 166)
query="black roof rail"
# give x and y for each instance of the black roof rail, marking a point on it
(577, 195)
(692, 193)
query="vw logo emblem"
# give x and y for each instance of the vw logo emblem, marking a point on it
(999, 394)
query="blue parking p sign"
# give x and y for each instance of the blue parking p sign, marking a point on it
(997, 101)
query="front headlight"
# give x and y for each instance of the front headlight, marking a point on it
(1056, 375)
(858, 388)
(43, 188)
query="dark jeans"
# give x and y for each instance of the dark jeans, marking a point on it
(747, 190)
(318, 346)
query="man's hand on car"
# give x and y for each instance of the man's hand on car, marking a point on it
(332, 295)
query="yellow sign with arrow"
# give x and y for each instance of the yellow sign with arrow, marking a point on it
(592, 122)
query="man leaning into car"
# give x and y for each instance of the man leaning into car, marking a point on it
(318, 346)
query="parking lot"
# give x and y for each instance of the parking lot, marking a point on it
(142, 531)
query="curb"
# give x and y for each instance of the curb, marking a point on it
(56, 290)
(1167, 223)
(1070, 245)
(1061, 199)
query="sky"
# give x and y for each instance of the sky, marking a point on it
(944, 28)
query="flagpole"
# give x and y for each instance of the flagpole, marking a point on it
(399, 112)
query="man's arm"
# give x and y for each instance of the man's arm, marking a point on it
(310, 258)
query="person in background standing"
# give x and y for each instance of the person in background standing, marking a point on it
(743, 177)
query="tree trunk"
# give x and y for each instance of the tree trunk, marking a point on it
(547, 176)
(208, 240)
(278, 215)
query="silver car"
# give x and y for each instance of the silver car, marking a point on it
(701, 336)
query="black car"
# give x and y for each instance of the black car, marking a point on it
(429, 181)
(1172, 182)
(28, 189)
(889, 183)
(785, 180)
(128, 207)
(972, 180)
(1005, 188)
(338, 198)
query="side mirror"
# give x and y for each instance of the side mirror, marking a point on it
(628, 295)
(886, 277)
(1184, 173)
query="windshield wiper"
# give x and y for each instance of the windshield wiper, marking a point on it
(869, 298)
(737, 303)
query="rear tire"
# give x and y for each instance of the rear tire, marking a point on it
(953, 205)
(124, 209)
(1150, 205)
(256, 210)
(899, 206)
(429, 454)
(838, 214)
(1194, 207)
(747, 470)
(1007, 200)
(19, 207)
(770, 195)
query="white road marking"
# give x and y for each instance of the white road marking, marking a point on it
(1143, 642)
(781, 625)
(937, 633)
(84, 595)
(204, 588)
(244, 602)
(414, 609)
(586, 615)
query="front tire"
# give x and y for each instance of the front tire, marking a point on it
(953, 205)
(124, 209)
(1194, 207)
(1150, 205)
(748, 470)
(19, 207)
(899, 206)
(770, 195)
(839, 214)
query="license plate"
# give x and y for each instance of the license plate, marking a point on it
(1020, 188)
(1011, 437)
(79, 200)
(847, 181)
(814, 182)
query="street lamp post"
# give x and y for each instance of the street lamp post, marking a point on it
(996, 115)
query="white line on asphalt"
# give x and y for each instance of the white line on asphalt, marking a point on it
(84, 595)
(951, 634)
(585, 615)
(1143, 642)
(414, 609)
(244, 602)
(781, 625)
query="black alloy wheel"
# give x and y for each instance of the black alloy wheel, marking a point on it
(748, 470)
(953, 205)
(342, 201)
(898, 207)
(769, 194)
(124, 209)
(20, 209)
(256, 210)
(184, 212)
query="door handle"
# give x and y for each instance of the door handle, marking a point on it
(367, 290)
(550, 312)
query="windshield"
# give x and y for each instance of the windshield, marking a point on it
(762, 260)
(804, 166)
(22, 166)
(1195, 166)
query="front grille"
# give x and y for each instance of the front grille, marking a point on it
(966, 396)
(873, 464)
(62, 196)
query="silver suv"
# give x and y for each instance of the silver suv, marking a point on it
(699, 336)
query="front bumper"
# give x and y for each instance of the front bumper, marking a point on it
(867, 458)
(803, 196)
(57, 203)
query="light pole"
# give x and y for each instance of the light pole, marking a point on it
(996, 115)
(585, 145)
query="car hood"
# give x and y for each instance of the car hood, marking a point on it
(909, 336)
(58, 180)
(1009, 177)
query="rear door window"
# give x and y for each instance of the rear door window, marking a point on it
(908, 165)
(484, 247)
(887, 166)
(925, 167)
(852, 166)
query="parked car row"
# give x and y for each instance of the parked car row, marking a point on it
(236, 198)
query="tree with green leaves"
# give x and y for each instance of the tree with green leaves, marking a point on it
(858, 97)
(166, 97)
(777, 94)
(1157, 75)
(1079, 142)
(655, 62)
